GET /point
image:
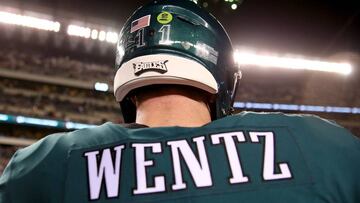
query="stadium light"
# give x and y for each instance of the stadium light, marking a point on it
(72, 125)
(4, 117)
(19, 119)
(102, 87)
(94, 34)
(247, 58)
(37, 121)
(86, 32)
(29, 21)
(79, 31)
(234, 6)
(111, 37)
(102, 35)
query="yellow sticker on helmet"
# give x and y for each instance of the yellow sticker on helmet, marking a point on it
(164, 17)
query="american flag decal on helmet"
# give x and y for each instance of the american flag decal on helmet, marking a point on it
(140, 23)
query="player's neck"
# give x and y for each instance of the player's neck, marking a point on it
(172, 110)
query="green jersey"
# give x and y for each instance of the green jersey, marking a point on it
(249, 157)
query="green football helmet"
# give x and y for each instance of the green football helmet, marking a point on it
(175, 42)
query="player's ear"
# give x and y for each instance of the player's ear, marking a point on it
(134, 99)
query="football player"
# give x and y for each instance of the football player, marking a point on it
(175, 81)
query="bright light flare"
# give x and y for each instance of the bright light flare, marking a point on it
(234, 6)
(28, 21)
(102, 87)
(111, 37)
(94, 34)
(102, 35)
(244, 58)
(79, 31)
(4, 117)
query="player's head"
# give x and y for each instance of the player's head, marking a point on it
(175, 42)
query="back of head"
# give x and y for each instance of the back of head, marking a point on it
(175, 42)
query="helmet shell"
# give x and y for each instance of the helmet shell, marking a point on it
(174, 42)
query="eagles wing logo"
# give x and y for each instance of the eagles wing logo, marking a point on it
(156, 66)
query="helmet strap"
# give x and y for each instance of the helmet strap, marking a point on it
(237, 77)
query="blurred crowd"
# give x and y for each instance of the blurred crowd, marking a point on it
(299, 87)
(54, 66)
(57, 102)
(254, 92)
(6, 152)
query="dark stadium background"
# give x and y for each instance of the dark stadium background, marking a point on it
(47, 78)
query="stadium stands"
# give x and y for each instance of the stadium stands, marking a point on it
(54, 66)
(298, 87)
(6, 153)
(57, 102)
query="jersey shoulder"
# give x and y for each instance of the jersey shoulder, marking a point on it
(307, 121)
(45, 160)
(59, 143)
(319, 137)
